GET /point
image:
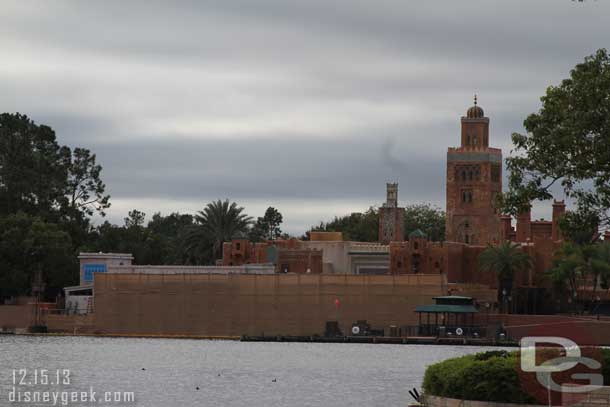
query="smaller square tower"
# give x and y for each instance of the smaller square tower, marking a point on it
(391, 217)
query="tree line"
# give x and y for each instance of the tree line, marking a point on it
(364, 227)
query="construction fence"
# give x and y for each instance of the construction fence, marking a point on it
(267, 305)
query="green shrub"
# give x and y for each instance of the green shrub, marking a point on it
(492, 353)
(489, 376)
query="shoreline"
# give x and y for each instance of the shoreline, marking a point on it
(294, 339)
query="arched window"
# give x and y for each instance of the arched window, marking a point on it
(463, 175)
(466, 239)
(474, 140)
(415, 245)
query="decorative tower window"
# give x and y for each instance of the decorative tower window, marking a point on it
(467, 196)
(468, 173)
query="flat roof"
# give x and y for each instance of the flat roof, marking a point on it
(79, 287)
(87, 255)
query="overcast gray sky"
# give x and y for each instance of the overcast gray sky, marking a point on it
(308, 106)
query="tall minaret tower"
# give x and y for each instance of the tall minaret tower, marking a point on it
(391, 217)
(474, 178)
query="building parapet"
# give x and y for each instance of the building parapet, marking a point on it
(483, 155)
(474, 149)
(356, 247)
(244, 269)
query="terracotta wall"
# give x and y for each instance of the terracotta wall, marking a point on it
(585, 330)
(299, 261)
(288, 304)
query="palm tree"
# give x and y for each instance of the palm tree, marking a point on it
(218, 222)
(504, 260)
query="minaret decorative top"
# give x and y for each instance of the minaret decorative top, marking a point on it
(475, 112)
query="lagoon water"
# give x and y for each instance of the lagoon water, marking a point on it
(166, 372)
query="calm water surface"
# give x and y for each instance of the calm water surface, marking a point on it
(228, 373)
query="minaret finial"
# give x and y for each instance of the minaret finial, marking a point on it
(475, 99)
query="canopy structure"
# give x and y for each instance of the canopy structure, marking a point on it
(453, 313)
(442, 308)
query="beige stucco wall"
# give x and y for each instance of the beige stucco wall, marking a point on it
(336, 256)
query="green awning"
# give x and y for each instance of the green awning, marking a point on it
(442, 308)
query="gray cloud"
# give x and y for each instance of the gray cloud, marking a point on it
(309, 104)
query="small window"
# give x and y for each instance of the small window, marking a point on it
(415, 245)
(237, 246)
(466, 239)
(466, 196)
